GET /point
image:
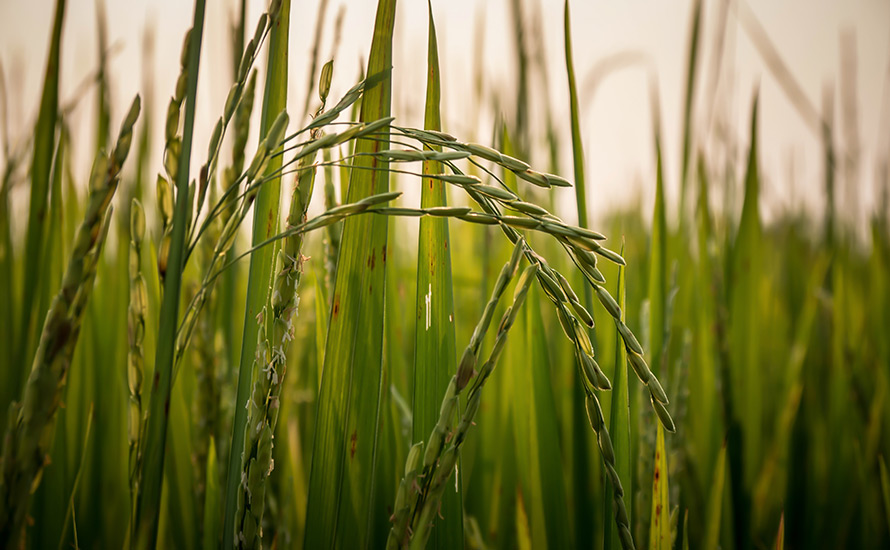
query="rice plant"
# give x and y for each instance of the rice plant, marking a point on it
(328, 328)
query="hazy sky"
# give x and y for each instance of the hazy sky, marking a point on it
(616, 121)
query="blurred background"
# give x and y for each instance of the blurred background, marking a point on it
(837, 52)
(759, 289)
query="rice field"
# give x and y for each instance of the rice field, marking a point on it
(315, 326)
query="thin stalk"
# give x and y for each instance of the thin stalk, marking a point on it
(148, 506)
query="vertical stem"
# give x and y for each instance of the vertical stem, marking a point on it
(265, 224)
(149, 500)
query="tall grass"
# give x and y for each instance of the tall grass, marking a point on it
(719, 382)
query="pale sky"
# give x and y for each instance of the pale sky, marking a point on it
(616, 121)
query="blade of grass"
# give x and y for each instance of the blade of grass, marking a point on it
(149, 499)
(691, 65)
(619, 423)
(715, 502)
(77, 476)
(657, 267)
(583, 500)
(744, 386)
(538, 448)
(41, 163)
(341, 481)
(660, 523)
(434, 343)
(212, 500)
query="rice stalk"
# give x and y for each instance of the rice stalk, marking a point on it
(31, 421)
(432, 461)
(261, 264)
(136, 313)
(171, 263)
(271, 360)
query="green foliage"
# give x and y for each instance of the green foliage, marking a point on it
(408, 418)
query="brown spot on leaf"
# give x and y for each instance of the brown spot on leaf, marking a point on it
(336, 306)
(384, 254)
(446, 244)
(157, 379)
(352, 440)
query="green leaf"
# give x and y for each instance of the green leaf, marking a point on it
(580, 461)
(660, 522)
(41, 163)
(744, 388)
(715, 502)
(341, 480)
(212, 500)
(149, 499)
(657, 269)
(435, 360)
(691, 65)
(538, 449)
(619, 423)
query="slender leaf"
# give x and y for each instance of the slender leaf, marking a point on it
(619, 423)
(41, 163)
(435, 360)
(148, 507)
(660, 523)
(341, 479)
(715, 502)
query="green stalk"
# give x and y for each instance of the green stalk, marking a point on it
(265, 225)
(580, 460)
(619, 425)
(691, 65)
(148, 502)
(657, 269)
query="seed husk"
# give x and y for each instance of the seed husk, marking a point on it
(496, 192)
(629, 339)
(535, 178)
(484, 152)
(480, 218)
(446, 211)
(594, 412)
(528, 208)
(457, 179)
(608, 301)
(513, 164)
(657, 391)
(640, 367)
(520, 222)
(582, 314)
(663, 415)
